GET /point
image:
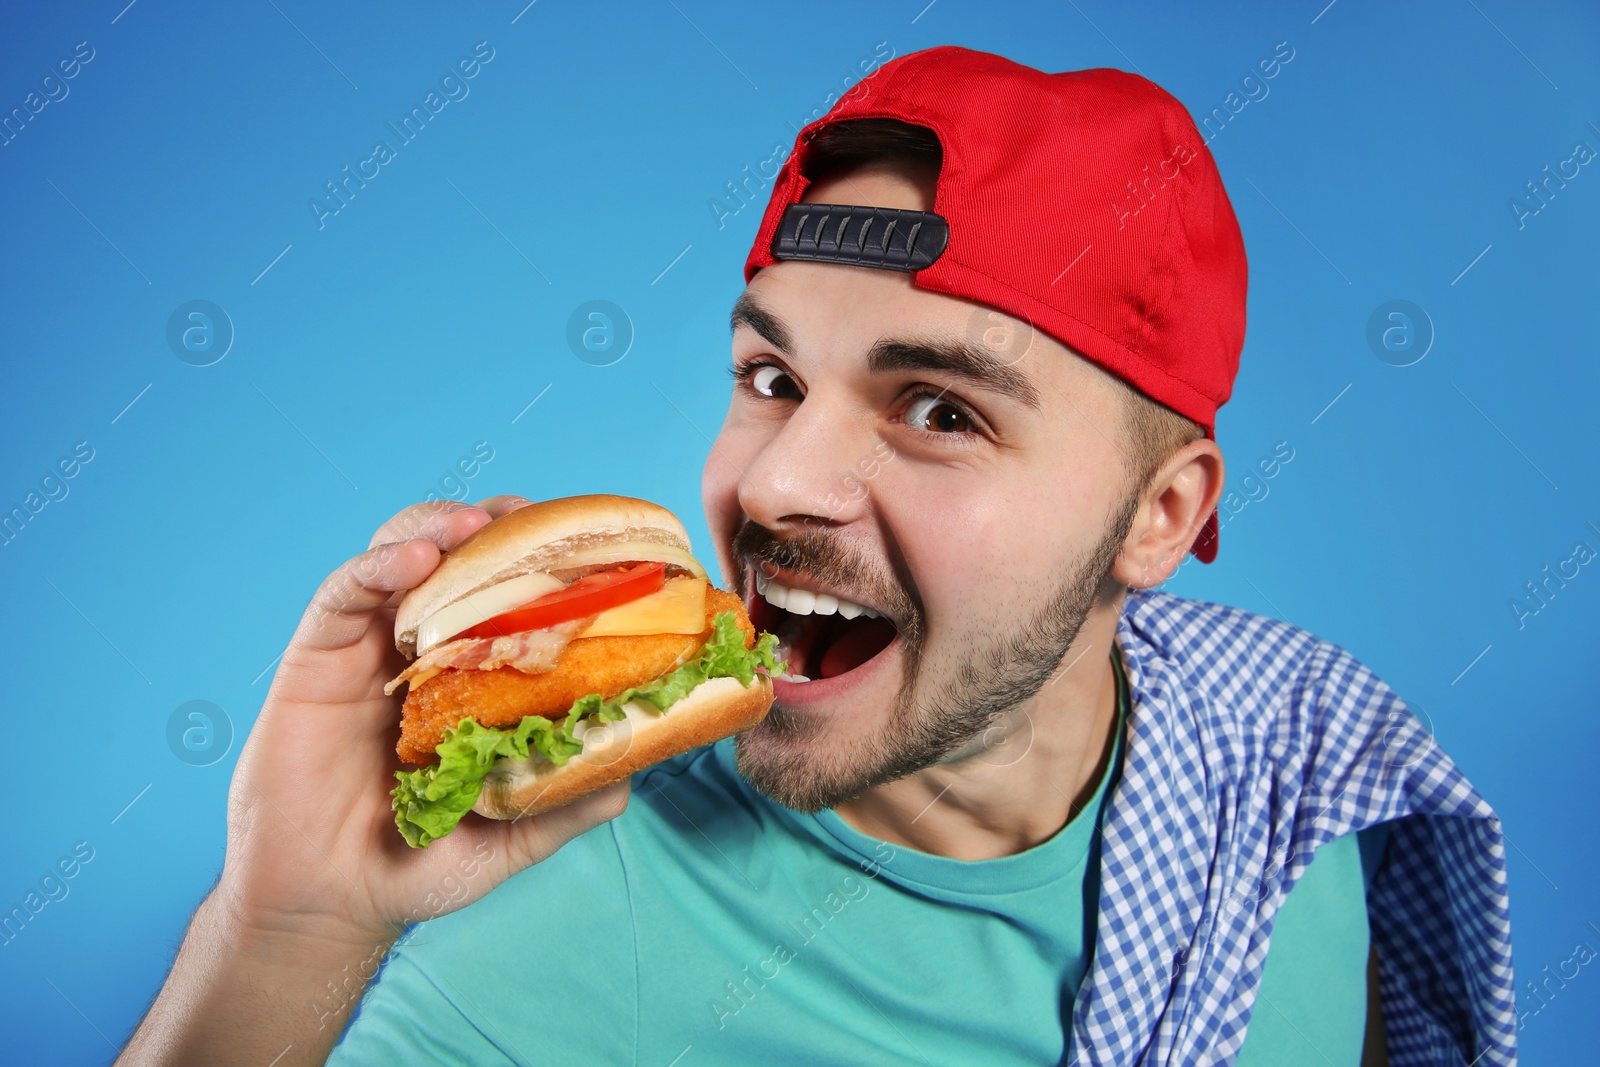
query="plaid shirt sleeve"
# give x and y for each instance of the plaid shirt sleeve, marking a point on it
(1251, 743)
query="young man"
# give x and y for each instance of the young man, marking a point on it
(1034, 811)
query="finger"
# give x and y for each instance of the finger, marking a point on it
(504, 504)
(345, 603)
(444, 522)
(529, 841)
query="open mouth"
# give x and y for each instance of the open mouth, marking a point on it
(822, 635)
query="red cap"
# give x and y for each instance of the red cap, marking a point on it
(1085, 203)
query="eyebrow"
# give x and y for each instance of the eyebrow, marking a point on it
(959, 359)
(746, 312)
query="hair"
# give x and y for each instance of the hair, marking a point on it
(1151, 431)
(844, 146)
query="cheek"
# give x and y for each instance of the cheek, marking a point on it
(952, 533)
(987, 546)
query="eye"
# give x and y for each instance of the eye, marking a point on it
(773, 381)
(937, 415)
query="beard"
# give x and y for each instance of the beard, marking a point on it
(790, 757)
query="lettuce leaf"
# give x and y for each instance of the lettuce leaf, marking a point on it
(428, 802)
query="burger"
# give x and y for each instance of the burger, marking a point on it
(559, 649)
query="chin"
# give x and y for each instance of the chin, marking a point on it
(793, 760)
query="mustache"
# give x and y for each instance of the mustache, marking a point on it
(829, 561)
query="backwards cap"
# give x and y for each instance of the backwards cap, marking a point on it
(1084, 203)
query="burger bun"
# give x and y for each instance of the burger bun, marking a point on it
(714, 709)
(530, 539)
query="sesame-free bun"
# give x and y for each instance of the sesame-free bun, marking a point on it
(531, 539)
(613, 751)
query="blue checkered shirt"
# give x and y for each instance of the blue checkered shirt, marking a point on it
(1251, 744)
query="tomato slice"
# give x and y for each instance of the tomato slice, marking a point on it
(589, 595)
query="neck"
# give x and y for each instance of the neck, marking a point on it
(1025, 779)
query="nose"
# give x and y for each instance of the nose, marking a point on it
(814, 471)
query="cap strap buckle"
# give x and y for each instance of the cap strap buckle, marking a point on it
(881, 237)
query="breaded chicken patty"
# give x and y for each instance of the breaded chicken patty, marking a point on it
(503, 696)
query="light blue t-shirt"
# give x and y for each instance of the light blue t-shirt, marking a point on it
(710, 925)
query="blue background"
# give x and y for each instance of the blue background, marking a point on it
(373, 352)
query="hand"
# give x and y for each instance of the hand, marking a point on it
(311, 833)
(317, 882)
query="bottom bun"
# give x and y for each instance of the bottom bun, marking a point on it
(613, 751)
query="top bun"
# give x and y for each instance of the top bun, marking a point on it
(530, 539)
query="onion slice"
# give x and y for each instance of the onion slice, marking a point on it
(631, 552)
(513, 593)
(482, 606)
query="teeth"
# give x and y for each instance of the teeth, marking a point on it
(805, 602)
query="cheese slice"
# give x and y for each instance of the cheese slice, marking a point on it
(679, 607)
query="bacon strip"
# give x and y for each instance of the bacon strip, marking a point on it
(531, 652)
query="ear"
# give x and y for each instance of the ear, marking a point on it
(1172, 511)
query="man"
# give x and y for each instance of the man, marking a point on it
(1033, 812)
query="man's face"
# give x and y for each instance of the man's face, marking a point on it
(882, 450)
